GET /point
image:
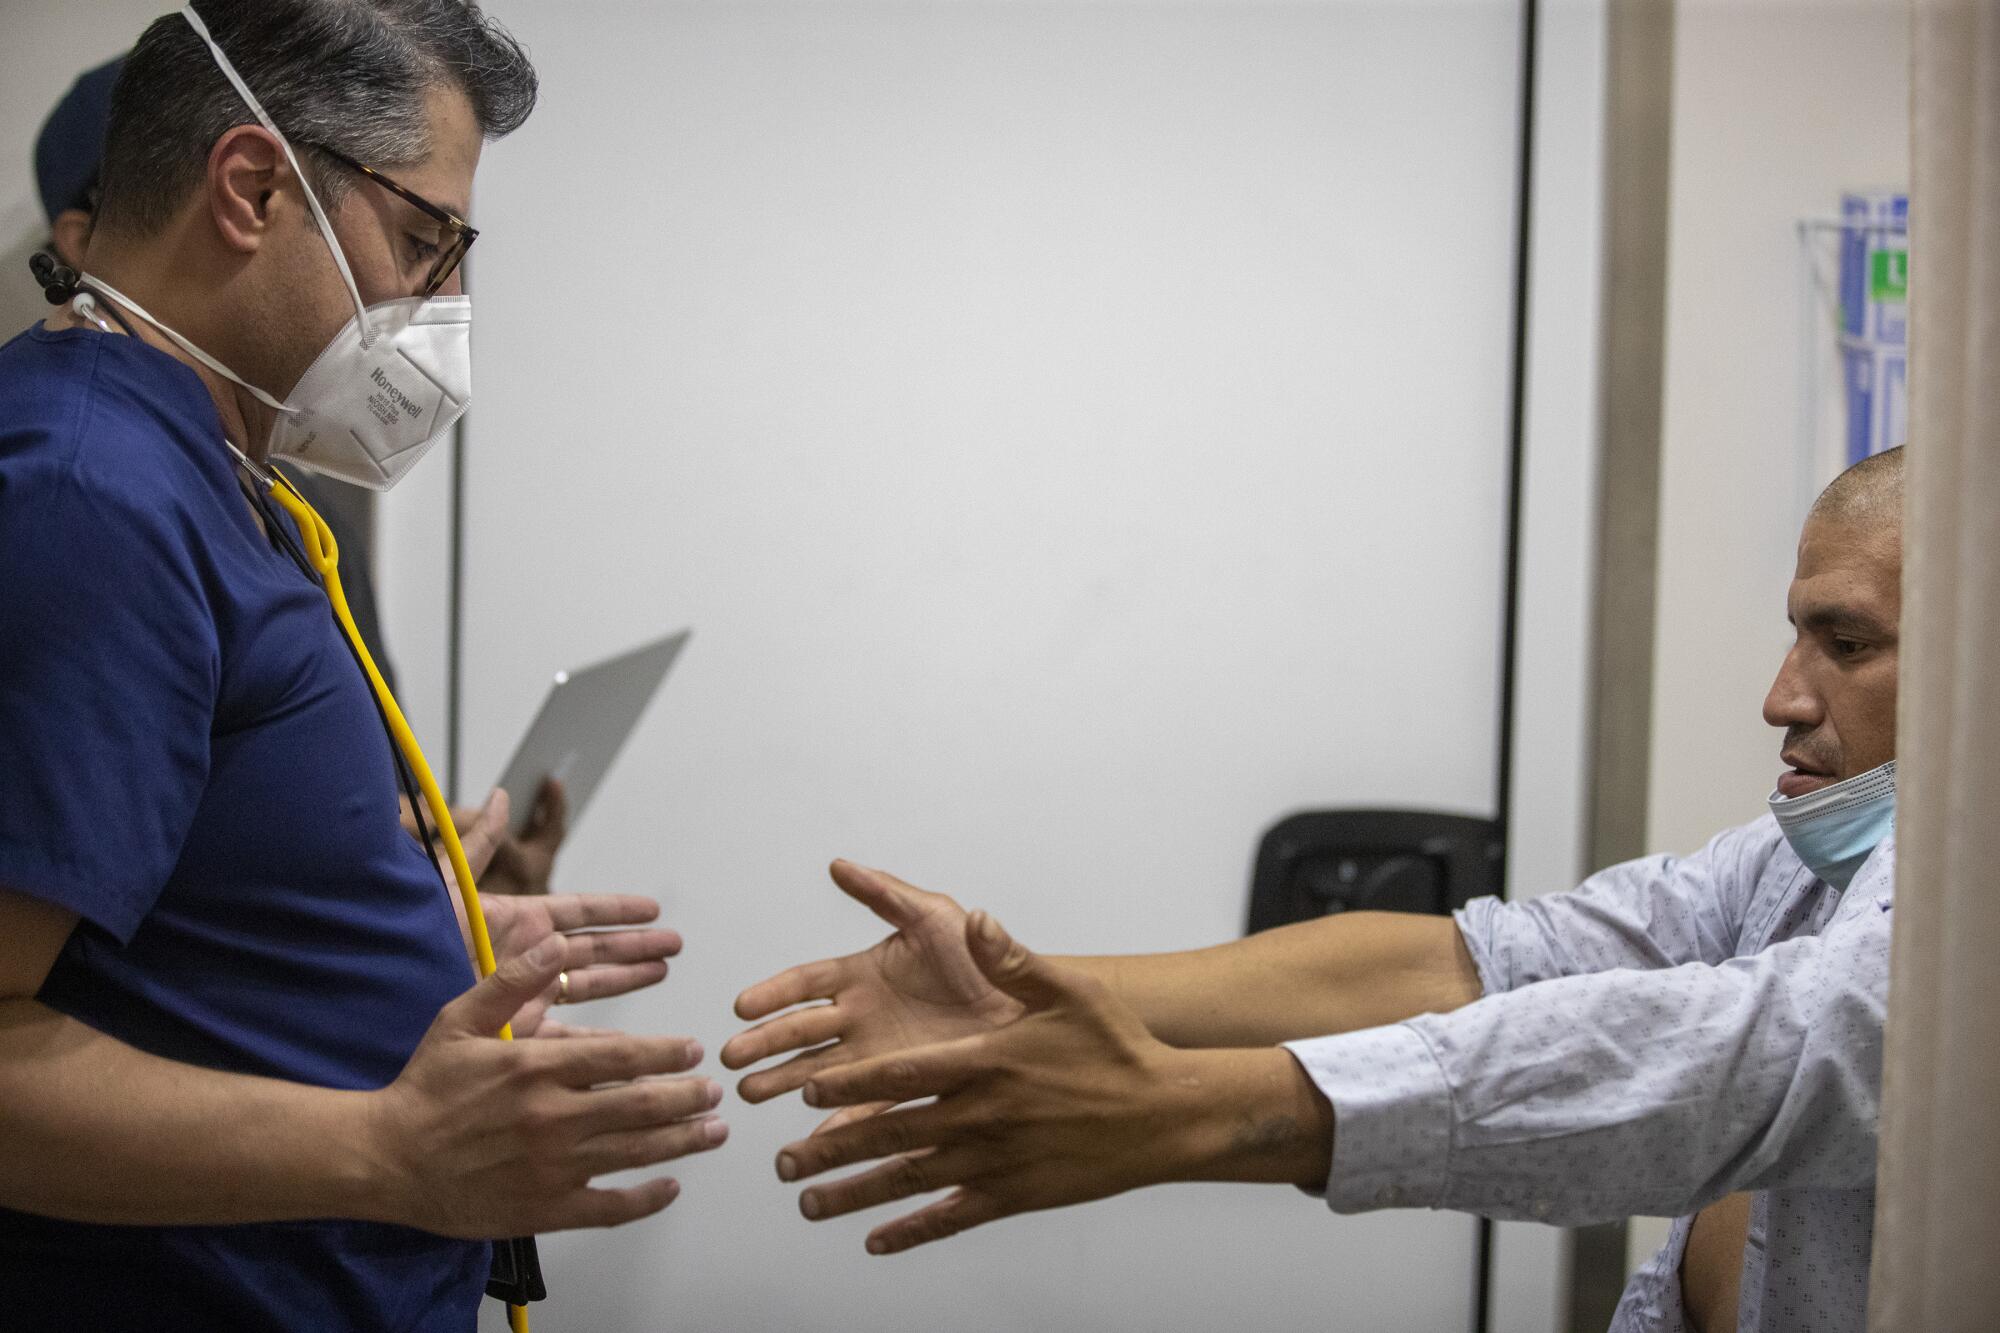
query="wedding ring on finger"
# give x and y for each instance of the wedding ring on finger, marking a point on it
(562, 988)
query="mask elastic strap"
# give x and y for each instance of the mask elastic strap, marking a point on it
(105, 289)
(312, 199)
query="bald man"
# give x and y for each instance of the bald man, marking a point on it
(1674, 1035)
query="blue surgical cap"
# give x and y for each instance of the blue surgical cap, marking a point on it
(70, 148)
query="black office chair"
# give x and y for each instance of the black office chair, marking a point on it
(1325, 861)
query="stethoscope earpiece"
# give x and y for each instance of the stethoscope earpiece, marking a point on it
(62, 284)
(58, 281)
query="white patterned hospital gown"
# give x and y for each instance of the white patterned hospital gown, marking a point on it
(1672, 1031)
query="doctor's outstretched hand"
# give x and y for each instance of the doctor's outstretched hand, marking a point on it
(918, 985)
(612, 949)
(1070, 1101)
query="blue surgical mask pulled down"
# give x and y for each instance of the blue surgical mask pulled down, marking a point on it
(1835, 828)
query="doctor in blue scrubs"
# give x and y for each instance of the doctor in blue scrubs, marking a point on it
(247, 1079)
(68, 156)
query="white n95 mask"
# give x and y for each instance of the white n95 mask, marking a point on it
(365, 411)
(390, 385)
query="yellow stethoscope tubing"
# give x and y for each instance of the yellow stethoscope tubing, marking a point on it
(324, 553)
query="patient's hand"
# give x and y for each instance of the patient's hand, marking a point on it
(917, 986)
(1074, 1101)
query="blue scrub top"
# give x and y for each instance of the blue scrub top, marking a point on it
(191, 761)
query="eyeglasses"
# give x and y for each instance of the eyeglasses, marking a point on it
(463, 234)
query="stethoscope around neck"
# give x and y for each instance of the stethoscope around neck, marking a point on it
(63, 285)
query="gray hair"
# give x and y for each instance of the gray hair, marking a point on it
(350, 74)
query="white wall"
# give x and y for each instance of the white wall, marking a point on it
(1778, 107)
(1077, 433)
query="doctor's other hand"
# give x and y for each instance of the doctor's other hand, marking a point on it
(1073, 1101)
(524, 864)
(481, 1138)
(612, 950)
(511, 865)
(916, 986)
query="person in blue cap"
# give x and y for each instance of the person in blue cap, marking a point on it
(69, 152)
(247, 1078)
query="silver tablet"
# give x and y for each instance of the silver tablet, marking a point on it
(583, 724)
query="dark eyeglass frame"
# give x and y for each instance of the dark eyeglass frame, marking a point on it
(463, 234)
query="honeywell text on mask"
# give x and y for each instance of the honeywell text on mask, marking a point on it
(396, 395)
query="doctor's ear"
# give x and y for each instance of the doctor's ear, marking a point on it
(246, 168)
